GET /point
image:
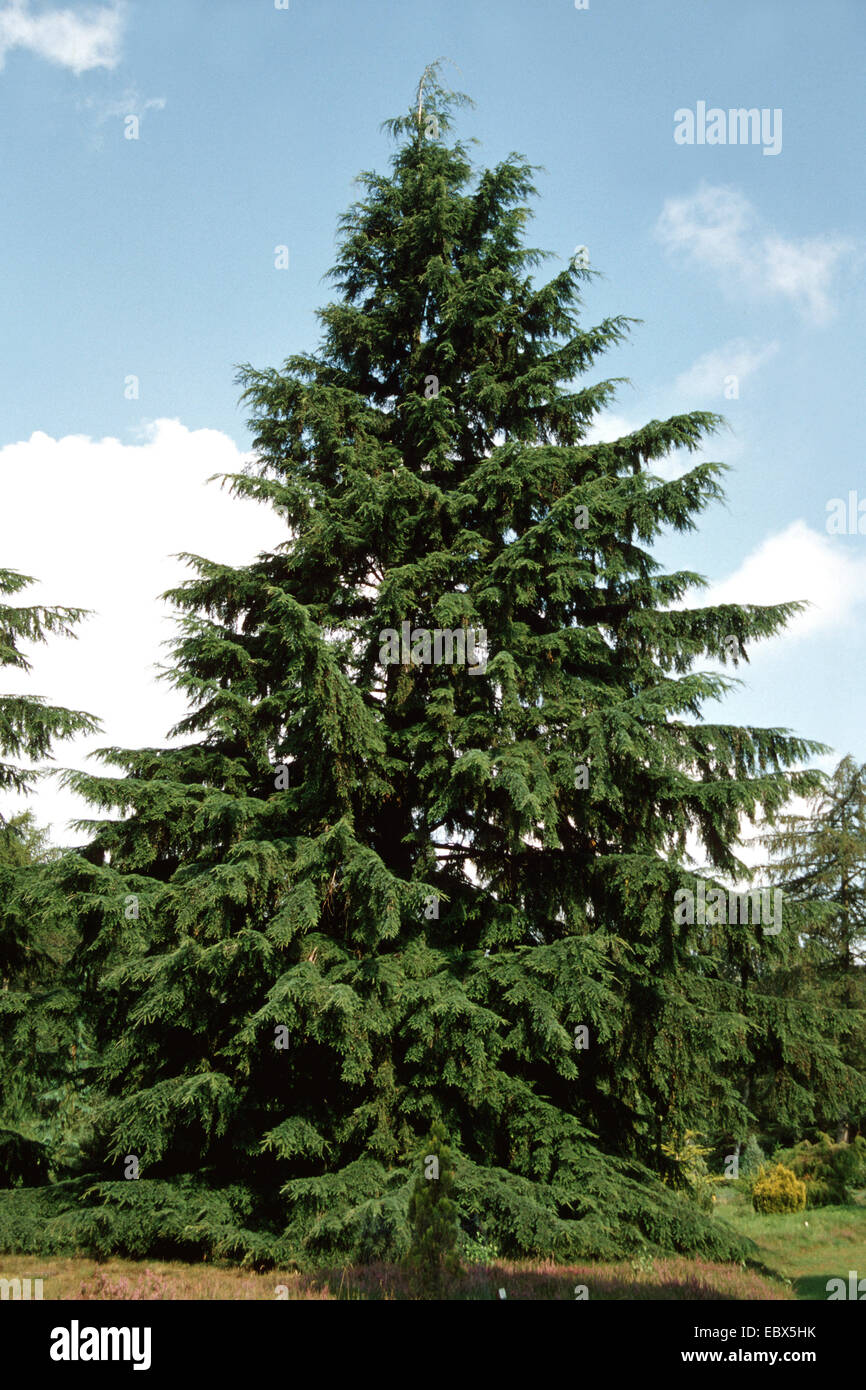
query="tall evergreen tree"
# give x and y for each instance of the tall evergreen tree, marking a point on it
(370, 893)
(33, 944)
(819, 862)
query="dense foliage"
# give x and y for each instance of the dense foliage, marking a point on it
(831, 1172)
(39, 1075)
(380, 886)
(433, 1216)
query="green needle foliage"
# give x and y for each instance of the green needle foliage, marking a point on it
(433, 1216)
(366, 895)
(819, 862)
(38, 1072)
(28, 724)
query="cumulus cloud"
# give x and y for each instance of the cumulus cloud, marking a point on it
(798, 563)
(607, 427)
(76, 39)
(719, 229)
(98, 522)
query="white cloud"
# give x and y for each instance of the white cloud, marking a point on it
(98, 522)
(76, 39)
(706, 378)
(798, 563)
(607, 427)
(718, 228)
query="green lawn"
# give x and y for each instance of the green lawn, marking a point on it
(807, 1248)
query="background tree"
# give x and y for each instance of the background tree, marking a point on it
(29, 726)
(819, 861)
(38, 1047)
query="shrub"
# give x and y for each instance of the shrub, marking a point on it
(830, 1171)
(477, 1249)
(433, 1217)
(777, 1190)
(822, 1194)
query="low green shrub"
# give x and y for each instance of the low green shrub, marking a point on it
(831, 1172)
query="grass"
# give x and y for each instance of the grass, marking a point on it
(805, 1248)
(658, 1280)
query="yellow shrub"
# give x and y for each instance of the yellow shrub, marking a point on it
(778, 1189)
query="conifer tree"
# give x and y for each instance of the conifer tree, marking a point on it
(433, 1215)
(29, 726)
(385, 883)
(34, 1056)
(819, 862)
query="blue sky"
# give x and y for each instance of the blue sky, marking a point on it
(154, 258)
